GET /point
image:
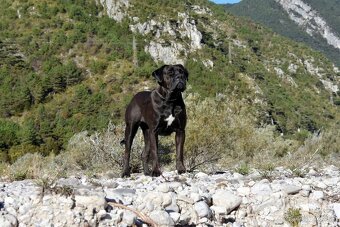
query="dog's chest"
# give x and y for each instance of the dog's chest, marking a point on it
(170, 119)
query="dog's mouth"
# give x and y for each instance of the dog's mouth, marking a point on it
(179, 86)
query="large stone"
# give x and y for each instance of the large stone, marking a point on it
(201, 175)
(336, 209)
(129, 218)
(91, 202)
(202, 209)
(243, 191)
(7, 220)
(113, 196)
(316, 195)
(162, 218)
(163, 188)
(226, 199)
(261, 189)
(175, 216)
(290, 189)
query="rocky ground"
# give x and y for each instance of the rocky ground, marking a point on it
(276, 198)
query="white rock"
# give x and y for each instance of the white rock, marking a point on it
(261, 189)
(8, 220)
(306, 187)
(308, 219)
(219, 210)
(226, 199)
(304, 193)
(91, 202)
(241, 214)
(163, 188)
(162, 218)
(175, 216)
(202, 209)
(195, 197)
(243, 191)
(167, 199)
(321, 185)
(129, 218)
(331, 181)
(185, 217)
(336, 209)
(201, 175)
(317, 195)
(291, 189)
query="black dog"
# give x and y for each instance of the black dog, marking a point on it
(158, 112)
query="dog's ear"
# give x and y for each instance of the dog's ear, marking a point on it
(158, 74)
(186, 73)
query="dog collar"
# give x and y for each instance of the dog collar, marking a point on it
(162, 97)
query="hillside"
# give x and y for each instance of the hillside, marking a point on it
(314, 22)
(70, 67)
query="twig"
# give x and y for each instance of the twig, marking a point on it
(166, 179)
(142, 216)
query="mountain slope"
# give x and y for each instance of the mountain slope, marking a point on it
(313, 22)
(71, 66)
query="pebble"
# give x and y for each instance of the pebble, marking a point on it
(336, 208)
(315, 195)
(202, 209)
(190, 199)
(226, 199)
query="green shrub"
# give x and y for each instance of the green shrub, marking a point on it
(17, 151)
(243, 168)
(98, 66)
(293, 216)
(8, 134)
(27, 166)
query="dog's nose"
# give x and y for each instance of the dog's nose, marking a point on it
(180, 85)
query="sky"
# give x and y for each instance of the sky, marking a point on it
(225, 1)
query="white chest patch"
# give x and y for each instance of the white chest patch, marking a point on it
(170, 119)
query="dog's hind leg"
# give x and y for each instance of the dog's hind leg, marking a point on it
(130, 132)
(146, 151)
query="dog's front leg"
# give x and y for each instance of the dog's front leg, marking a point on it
(180, 138)
(153, 154)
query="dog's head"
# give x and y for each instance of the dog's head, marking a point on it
(172, 77)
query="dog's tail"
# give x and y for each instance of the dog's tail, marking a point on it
(122, 142)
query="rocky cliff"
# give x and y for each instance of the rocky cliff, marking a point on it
(313, 22)
(167, 50)
(310, 20)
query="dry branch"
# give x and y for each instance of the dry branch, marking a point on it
(142, 216)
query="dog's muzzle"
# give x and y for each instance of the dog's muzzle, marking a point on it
(179, 85)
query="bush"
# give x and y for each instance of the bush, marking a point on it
(28, 166)
(100, 152)
(8, 134)
(229, 131)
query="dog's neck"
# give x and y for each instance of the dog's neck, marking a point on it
(167, 96)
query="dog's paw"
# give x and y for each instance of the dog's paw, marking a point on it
(156, 173)
(147, 172)
(125, 174)
(180, 169)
